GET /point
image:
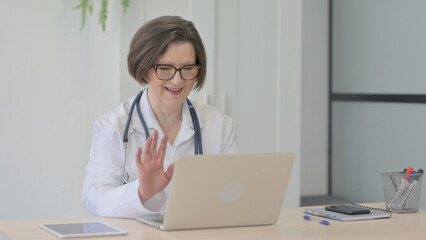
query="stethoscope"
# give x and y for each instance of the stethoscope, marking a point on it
(197, 141)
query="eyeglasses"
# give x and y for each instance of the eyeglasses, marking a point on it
(166, 72)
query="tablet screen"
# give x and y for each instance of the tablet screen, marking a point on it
(82, 229)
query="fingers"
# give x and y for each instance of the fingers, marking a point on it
(147, 150)
(162, 149)
(169, 172)
(163, 144)
(154, 143)
(138, 157)
(150, 151)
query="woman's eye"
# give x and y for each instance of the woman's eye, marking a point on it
(188, 68)
(164, 68)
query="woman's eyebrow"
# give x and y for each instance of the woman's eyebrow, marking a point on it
(184, 64)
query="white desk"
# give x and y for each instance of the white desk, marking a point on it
(291, 225)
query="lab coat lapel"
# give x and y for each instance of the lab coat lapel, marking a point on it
(186, 129)
(148, 116)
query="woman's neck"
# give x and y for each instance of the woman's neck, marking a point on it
(169, 118)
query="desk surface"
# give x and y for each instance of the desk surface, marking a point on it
(291, 225)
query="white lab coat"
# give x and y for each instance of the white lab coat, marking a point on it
(103, 194)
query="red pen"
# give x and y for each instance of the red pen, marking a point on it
(409, 171)
(404, 185)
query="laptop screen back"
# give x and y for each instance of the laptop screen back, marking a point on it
(227, 190)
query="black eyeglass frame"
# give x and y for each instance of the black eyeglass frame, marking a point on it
(176, 70)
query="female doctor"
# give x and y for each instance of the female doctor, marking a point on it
(135, 146)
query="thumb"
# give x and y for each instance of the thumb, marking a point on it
(169, 172)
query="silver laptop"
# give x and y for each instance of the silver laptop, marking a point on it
(210, 191)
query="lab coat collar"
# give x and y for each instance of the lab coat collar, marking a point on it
(187, 128)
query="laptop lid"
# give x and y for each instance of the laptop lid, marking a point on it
(227, 190)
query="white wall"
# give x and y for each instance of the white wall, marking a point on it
(371, 138)
(44, 107)
(378, 48)
(55, 82)
(315, 49)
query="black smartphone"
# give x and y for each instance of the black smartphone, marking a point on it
(347, 209)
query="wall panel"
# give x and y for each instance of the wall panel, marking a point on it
(370, 138)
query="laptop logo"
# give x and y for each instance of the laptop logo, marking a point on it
(231, 192)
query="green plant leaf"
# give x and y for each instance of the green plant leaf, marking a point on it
(125, 4)
(83, 7)
(90, 9)
(103, 14)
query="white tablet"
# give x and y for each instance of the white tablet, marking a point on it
(81, 229)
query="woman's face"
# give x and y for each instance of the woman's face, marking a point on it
(171, 93)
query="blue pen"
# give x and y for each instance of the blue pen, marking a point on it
(413, 181)
(320, 221)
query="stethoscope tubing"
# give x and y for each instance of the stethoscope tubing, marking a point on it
(136, 102)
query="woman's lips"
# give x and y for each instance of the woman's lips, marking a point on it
(174, 91)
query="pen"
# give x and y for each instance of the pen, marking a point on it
(320, 221)
(393, 181)
(413, 183)
(401, 200)
(402, 188)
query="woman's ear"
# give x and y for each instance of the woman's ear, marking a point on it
(145, 79)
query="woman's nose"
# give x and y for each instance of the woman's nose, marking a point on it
(177, 79)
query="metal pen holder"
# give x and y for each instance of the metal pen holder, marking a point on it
(402, 191)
